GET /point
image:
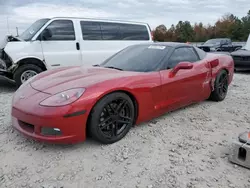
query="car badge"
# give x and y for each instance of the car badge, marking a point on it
(22, 97)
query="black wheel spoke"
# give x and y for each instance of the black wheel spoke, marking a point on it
(121, 106)
(124, 120)
(224, 79)
(105, 120)
(114, 129)
(222, 85)
(111, 108)
(224, 88)
(106, 125)
(107, 111)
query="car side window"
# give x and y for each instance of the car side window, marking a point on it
(202, 54)
(61, 30)
(180, 55)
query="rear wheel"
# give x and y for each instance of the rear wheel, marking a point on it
(25, 72)
(220, 86)
(112, 118)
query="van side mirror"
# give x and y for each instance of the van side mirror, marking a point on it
(179, 66)
(46, 34)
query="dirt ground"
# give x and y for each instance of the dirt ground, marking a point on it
(185, 148)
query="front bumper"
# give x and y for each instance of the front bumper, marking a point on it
(3, 69)
(72, 129)
(31, 119)
(3, 72)
(242, 63)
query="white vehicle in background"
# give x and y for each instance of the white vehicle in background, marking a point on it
(61, 42)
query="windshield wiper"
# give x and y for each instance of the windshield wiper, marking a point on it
(96, 65)
(110, 67)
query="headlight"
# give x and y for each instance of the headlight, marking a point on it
(63, 98)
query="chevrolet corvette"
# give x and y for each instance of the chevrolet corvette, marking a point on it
(135, 85)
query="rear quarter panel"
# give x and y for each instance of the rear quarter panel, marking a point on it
(225, 62)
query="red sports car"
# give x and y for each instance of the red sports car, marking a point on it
(135, 85)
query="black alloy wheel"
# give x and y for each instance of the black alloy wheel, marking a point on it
(220, 86)
(112, 118)
(223, 85)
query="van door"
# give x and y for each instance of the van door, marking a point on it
(62, 47)
(102, 39)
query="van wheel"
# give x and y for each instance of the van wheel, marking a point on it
(25, 72)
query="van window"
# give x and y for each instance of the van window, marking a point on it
(110, 31)
(28, 34)
(113, 31)
(91, 30)
(61, 30)
(134, 32)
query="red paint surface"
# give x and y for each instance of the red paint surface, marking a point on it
(155, 93)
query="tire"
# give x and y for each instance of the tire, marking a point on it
(103, 110)
(220, 87)
(34, 69)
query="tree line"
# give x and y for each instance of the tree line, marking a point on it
(229, 26)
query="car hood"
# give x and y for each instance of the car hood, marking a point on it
(59, 80)
(3, 42)
(8, 38)
(241, 53)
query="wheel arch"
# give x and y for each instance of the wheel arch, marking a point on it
(131, 96)
(31, 60)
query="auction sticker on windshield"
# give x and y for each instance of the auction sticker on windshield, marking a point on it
(157, 47)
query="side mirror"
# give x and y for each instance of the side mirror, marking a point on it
(181, 65)
(46, 34)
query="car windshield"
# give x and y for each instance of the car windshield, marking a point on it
(139, 58)
(28, 34)
(213, 41)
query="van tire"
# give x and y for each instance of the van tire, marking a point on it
(19, 73)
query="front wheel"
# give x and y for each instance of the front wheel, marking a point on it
(111, 118)
(25, 72)
(220, 87)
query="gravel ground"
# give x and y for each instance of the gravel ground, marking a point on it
(185, 148)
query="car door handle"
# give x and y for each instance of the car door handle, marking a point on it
(77, 46)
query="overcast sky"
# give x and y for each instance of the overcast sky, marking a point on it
(21, 13)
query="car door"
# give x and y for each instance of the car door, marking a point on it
(62, 47)
(224, 46)
(187, 86)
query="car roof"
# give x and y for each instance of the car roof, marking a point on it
(169, 44)
(102, 19)
(220, 39)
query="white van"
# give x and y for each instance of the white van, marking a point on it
(58, 42)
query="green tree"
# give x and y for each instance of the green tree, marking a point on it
(160, 33)
(227, 26)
